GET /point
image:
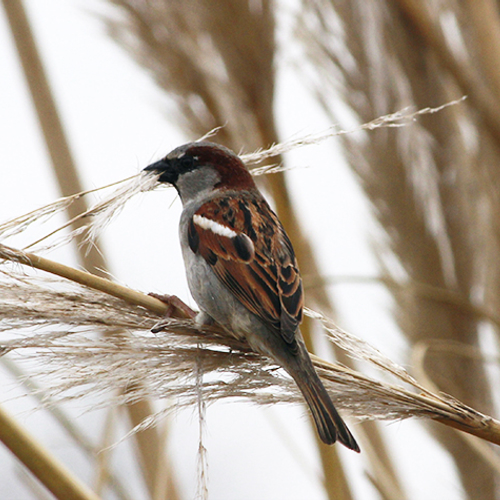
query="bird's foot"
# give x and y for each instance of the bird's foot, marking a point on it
(176, 307)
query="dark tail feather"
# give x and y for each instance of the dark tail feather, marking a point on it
(329, 423)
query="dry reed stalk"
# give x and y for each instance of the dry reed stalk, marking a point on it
(51, 473)
(423, 290)
(216, 60)
(50, 123)
(474, 72)
(481, 28)
(419, 182)
(485, 24)
(84, 441)
(425, 25)
(64, 166)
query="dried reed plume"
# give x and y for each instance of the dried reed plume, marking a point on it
(67, 315)
(67, 320)
(94, 220)
(434, 188)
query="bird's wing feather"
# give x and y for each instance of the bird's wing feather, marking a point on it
(251, 254)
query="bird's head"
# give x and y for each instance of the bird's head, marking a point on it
(202, 166)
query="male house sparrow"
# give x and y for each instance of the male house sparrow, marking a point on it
(241, 267)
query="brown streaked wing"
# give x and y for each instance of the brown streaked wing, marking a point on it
(269, 284)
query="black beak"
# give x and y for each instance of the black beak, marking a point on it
(168, 173)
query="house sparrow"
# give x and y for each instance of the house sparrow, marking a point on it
(241, 267)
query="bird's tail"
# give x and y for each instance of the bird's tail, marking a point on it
(328, 422)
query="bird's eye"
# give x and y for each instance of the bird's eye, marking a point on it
(186, 163)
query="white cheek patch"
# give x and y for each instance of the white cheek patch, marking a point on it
(213, 226)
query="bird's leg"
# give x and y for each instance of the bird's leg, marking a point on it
(176, 307)
(203, 319)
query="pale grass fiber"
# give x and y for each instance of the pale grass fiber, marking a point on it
(100, 215)
(74, 324)
(63, 325)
